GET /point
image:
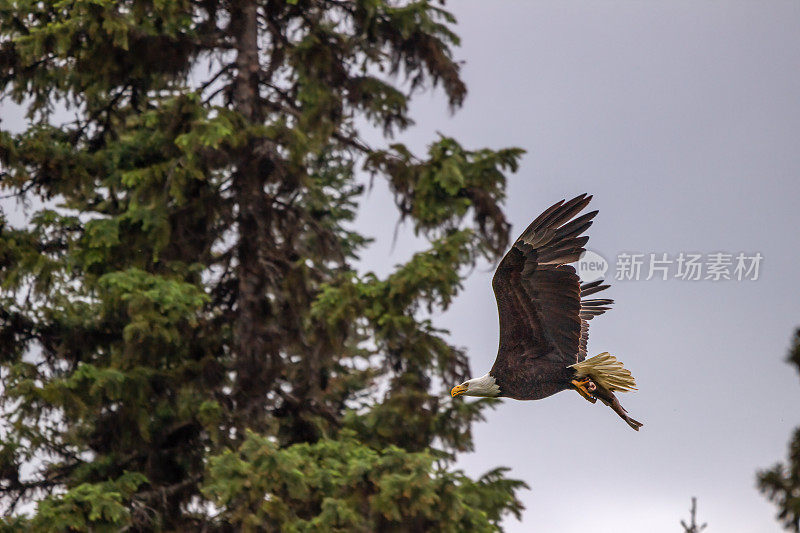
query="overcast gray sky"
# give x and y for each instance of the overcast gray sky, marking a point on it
(683, 119)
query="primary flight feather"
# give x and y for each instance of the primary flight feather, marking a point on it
(544, 314)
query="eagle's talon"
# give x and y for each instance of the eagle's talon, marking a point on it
(584, 387)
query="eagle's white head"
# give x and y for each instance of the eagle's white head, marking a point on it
(482, 386)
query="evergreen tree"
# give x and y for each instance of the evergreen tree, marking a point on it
(185, 342)
(781, 483)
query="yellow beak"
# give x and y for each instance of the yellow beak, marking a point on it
(458, 390)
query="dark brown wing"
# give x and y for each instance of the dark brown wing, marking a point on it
(539, 295)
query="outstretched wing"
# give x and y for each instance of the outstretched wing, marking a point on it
(539, 295)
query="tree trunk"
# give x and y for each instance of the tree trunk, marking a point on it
(255, 359)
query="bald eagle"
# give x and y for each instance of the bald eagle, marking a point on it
(544, 318)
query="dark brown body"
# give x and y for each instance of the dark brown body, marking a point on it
(535, 381)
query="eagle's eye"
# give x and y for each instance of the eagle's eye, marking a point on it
(591, 386)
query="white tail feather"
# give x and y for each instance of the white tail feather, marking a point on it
(606, 371)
